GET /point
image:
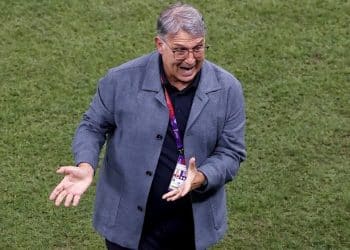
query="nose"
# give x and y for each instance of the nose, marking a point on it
(190, 57)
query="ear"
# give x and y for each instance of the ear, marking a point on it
(159, 44)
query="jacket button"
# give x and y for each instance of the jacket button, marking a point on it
(139, 208)
(159, 137)
(149, 173)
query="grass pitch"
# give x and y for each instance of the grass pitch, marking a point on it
(292, 58)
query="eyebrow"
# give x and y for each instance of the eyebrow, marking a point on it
(183, 46)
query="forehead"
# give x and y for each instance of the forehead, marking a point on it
(185, 39)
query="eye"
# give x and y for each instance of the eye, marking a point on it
(180, 50)
(198, 48)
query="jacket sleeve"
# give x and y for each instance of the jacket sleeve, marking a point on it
(223, 164)
(96, 123)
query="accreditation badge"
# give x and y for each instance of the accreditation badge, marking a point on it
(179, 176)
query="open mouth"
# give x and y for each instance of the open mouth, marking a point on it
(186, 68)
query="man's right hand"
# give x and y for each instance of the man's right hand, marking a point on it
(74, 184)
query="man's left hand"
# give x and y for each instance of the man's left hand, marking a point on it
(194, 180)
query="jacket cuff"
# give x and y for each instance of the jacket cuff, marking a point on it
(86, 157)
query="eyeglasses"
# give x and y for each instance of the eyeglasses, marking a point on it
(182, 53)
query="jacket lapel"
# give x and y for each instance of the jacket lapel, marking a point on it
(152, 78)
(208, 83)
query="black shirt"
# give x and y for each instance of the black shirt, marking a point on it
(172, 219)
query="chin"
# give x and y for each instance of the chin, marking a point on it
(187, 78)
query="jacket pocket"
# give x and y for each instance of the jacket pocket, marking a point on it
(108, 196)
(218, 209)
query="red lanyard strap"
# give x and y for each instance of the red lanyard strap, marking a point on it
(173, 123)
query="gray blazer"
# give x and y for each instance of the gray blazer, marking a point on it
(129, 112)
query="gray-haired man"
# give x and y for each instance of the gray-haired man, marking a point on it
(174, 126)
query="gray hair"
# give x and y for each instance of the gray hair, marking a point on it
(181, 17)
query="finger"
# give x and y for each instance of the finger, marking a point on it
(76, 200)
(53, 194)
(60, 198)
(176, 196)
(66, 170)
(58, 189)
(68, 200)
(63, 185)
(170, 194)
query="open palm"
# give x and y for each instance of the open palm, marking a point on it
(73, 185)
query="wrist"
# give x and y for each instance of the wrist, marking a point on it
(86, 166)
(200, 180)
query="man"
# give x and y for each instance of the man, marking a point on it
(162, 111)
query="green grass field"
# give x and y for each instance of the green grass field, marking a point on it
(292, 58)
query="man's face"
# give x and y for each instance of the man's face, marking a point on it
(182, 55)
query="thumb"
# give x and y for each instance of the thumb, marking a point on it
(190, 175)
(192, 163)
(66, 170)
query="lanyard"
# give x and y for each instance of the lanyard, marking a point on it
(173, 124)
